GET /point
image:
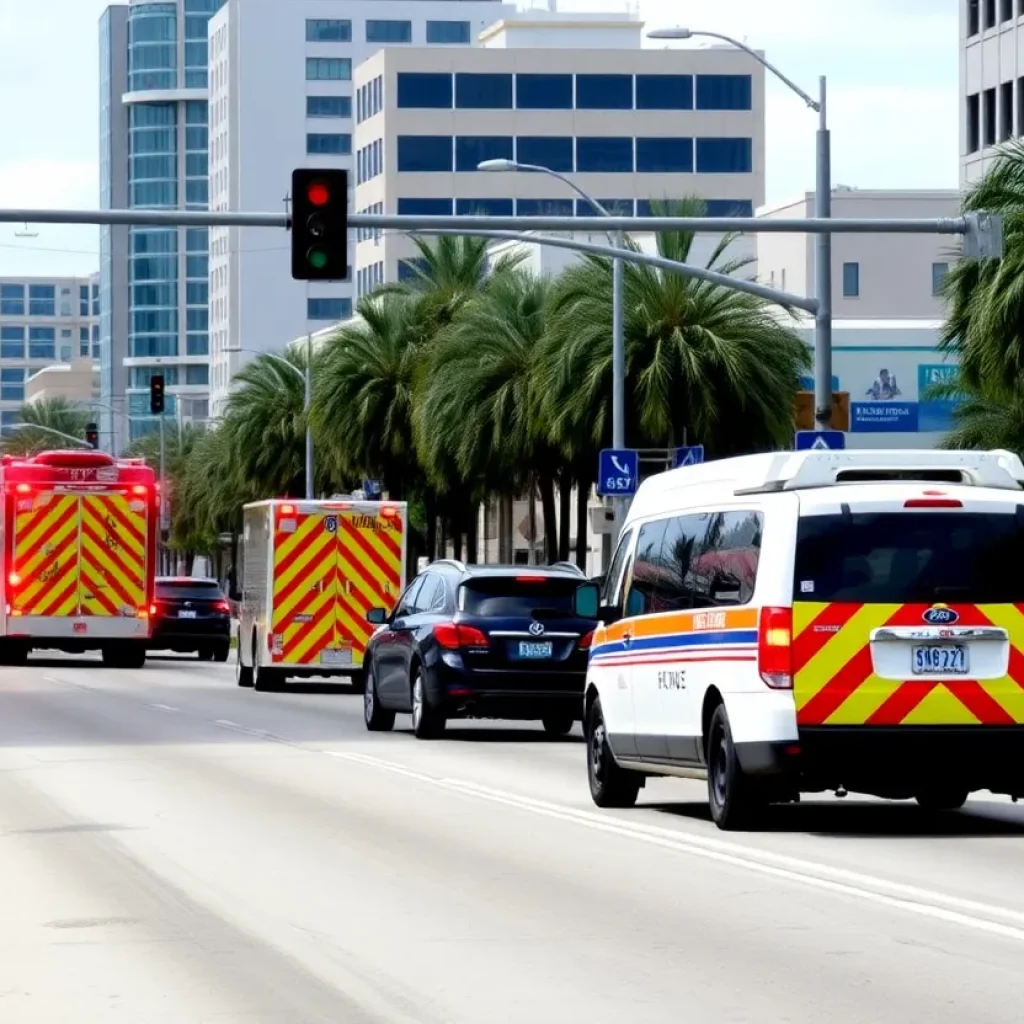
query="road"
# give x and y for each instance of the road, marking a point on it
(175, 849)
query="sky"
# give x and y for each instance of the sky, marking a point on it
(892, 69)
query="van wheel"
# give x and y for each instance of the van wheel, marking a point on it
(733, 798)
(243, 673)
(942, 799)
(558, 725)
(611, 785)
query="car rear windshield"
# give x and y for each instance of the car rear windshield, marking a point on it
(518, 597)
(910, 557)
(187, 591)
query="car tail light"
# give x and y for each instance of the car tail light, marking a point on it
(586, 641)
(933, 503)
(531, 579)
(222, 606)
(775, 647)
(453, 636)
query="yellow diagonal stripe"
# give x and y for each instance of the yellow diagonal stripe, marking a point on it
(98, 564)
(321, 548)
(29, 557)
(283, 613)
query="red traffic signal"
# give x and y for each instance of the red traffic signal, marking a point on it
(318, 194)
(319, 224)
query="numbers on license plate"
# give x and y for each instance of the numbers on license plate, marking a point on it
(343, 656)
(187, 614)
(940, 659)
(534, 650)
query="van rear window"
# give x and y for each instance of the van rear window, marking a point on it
(910, 558)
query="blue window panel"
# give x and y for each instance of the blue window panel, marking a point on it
(196, 165)
(551, 151)
(197, 293)
(730, 208)
(484, 207)
(328, 30)
(604, 154)
(197, 319)
(197, 375)
(197, 266)
(83, 300)
(328, 309)
(425, 207)
(197, 193)
(197, 112)
(42, 343)
(157, 296)
(939, 273)
(424, 90)
(196, 240)
(12, 300)
(616, 207)
(544, 207)
(41, 300)
(662, 156)
(851, 280)
(724, 92)
(12, 342)
(664, 92)
(407, 269)
(322, 143)
(328, 69)
(448, 32)
(544, 92)
(328, 106)
(725, 156)
(424, 153)
(384, 31)
(483, 92)
(604, 92)
(471, 150)
(197, 344)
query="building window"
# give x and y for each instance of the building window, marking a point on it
(381, 31)
(483, 91)
(472, 150)
(851, 280)
(448, 32)
(328, 309)
(660, 156)
(328, 30)
(425, 207)
(551, 151)
(544, 207)
(616, 207)
(42, 343)
(42, 300)
(724, 92)
(990, 13)
(724, 156)
(83, 342)
(939, 272)
(12, 300)
(328, 106)
(328, 69)
(1005, 111)
(484, 207)
(1006, 10)
(988, 108)
(12, 384)
(664, 92)
(544, 92)
(424, 153)
(197, 375)
(973, 17)
(323, 144)
(424, 91)
(83, 300)
(604, 154)
(974, 123)
(12, 342)
(604, 92)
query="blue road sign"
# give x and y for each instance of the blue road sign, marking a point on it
(693, 455)
(817, 440)
(618, 472)
(372, 489)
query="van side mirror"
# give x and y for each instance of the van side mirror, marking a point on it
(587, 601)
(377, 616)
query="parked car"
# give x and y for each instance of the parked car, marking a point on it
(479, 641)
(191, 614)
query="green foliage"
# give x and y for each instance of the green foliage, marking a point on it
(49, 415)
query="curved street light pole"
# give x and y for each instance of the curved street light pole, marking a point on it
(50, 430)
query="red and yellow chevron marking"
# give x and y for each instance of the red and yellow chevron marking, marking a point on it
(835, 683)
(46, 555)
(113, 555)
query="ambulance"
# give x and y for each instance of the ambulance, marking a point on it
(822, 621)
(78, 534)
(311, 570)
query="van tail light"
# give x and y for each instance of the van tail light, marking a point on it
(14, 579)
(587, 641)
(454, 636)
(775, 647)
(933, 503)
(152, 609)
(23, 489)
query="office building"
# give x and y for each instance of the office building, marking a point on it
(575, 94)
(281, 97)
(991, 81)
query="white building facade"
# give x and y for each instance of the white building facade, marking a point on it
(282, 97)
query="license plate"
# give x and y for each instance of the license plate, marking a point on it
(940, 660)
(534, 650)
(342, 656)
(186, 614)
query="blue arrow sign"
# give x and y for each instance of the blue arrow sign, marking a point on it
(618, 472)
(820, 440)
(372, 489)
(693, 455)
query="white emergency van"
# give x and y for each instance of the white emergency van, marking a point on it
(848, 621)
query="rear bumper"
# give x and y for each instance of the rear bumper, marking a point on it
(81, 633)
(189, 634)
(516, 696)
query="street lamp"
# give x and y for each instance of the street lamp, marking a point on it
(307, 380)
(822, 209)
(618, 317)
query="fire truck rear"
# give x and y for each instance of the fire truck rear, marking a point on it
(78, 534)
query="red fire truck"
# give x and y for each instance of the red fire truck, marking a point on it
(78, 532)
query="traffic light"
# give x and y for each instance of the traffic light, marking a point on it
(156, 394)
(319, 225)
(92, 435)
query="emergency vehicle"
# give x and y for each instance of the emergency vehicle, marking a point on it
(79, 549)
(848, 621)
(311, 570)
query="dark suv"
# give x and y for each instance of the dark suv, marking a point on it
(479, 641)
(191, 614)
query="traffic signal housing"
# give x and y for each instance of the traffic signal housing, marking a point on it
(92, 435)
(156, 394)
(319, 225)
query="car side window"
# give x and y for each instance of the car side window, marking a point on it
(686, 539)
(730, 558)
(647, 579)
(427, 596)
(612, 590)
(407, 603)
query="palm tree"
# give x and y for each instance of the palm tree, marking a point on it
(50, 414)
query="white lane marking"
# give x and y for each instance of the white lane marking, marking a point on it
(161, 707)
(868, 888)
(226, 723)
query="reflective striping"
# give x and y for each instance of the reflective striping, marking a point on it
(46, 555)
(113, 555)
(835, 682)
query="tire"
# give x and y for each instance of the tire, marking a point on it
(731, 794)
(243, 673)
(377, 718)
(427, 722)
(221, 652)
(611, 785)
(558, 725)
(13, 654)
(358, 680)
(942, 799)
(128, 656)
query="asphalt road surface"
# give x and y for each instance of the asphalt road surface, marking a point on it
(174, 849)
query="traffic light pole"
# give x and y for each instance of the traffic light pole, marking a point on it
(164, 525)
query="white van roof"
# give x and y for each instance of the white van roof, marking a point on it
(789, 471)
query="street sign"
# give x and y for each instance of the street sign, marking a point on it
(372, 489)
(618, 472)
(693, 455)
(820, 440)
